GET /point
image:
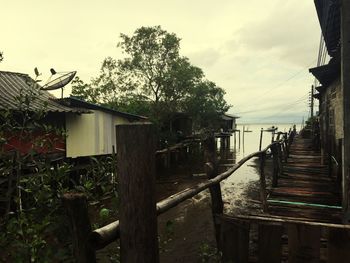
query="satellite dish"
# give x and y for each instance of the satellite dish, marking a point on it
(59, 82)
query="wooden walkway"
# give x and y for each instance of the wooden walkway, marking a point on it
(305, 190)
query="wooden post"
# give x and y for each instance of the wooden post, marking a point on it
(275, 157)
(243, 135)
(77, 211)
(261, 136)
(136, 171)
(345, 86)
(211, 169)
(279, 153)
(263, 195)
(239, 138)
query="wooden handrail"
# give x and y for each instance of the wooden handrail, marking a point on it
(101, 237)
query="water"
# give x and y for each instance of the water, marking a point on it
(191, 222)
(241, 187)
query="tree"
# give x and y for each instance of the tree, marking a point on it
(153, 79)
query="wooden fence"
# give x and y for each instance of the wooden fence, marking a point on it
(137, 227)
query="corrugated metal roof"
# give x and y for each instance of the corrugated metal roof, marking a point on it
(227, 116)
(328, 12)
(13, 85)
(326, 74)
(76, 102)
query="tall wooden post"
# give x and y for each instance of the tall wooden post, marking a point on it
(275, 157)
(211, 169)
(263, 195)
(261, 136)
(136, 171)
(76, 208)
(345, 85)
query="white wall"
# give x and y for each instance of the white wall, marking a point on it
(91, 134)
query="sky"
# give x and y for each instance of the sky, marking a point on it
(258, 51)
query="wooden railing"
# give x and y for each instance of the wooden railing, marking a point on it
(137, 227)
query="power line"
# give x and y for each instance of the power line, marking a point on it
(285, 81)
(275, 106)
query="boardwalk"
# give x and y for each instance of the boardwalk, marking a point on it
(305, 189)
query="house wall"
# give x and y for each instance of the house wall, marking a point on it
(331, 120)
(91, 134)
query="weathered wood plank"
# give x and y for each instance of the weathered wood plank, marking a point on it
(338, 245)
(235, 241)
(303, 243)
(270, 242)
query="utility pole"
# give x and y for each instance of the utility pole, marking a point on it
(312, 101)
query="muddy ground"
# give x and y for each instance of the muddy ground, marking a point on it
(186, 232)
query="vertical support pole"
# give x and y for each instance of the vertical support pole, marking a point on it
(243, 136)
(312, 103)
(136, 171)
(222, 143)
(261, 136)
(280, 166)
(239, 138)
(345, 86)
(235, 139)
(275, 165)
(211, 169)
(263, 195)
(76, 208)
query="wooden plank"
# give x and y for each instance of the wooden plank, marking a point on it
(338, 245)
(235, 241)
(303, 243)
(270, 243)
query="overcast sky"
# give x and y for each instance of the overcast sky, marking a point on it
(258, 51)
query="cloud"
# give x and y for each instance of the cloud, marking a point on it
(205, 58)
(287, 33)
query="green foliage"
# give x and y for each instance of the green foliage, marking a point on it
(209, 253)
(154, 80)
(34, 227)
